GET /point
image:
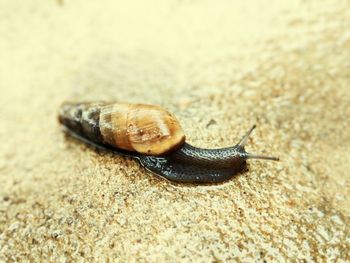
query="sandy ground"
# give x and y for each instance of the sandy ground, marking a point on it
(284, 65)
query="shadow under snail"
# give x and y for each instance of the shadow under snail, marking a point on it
(155, 138)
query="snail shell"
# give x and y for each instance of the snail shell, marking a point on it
(146, 129)
(154, 137)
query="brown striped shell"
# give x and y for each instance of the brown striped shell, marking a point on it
(145, 129)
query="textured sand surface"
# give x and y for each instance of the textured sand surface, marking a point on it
(219, 66)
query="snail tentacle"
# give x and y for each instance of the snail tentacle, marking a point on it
(245, 138)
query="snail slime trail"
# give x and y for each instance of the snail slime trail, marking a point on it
(155, 138)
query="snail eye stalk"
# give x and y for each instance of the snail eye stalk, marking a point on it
(243, 143)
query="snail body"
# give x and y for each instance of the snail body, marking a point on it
(153, 136)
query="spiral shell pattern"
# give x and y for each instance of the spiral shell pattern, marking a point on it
(146, 129)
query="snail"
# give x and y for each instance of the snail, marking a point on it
(155, 138)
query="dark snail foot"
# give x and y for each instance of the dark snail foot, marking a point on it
(183, 172)
(167, 167)
(190, 164)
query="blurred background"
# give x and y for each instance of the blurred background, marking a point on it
(220, 67)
